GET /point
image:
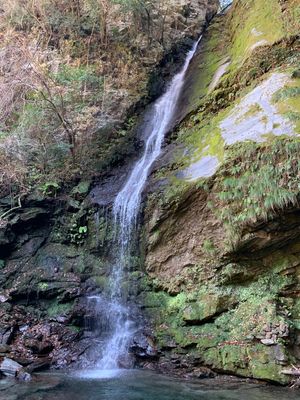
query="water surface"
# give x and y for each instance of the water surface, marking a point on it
(137, 385)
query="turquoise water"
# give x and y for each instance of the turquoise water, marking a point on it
(137, 385)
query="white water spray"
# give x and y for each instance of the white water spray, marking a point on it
(125, 211)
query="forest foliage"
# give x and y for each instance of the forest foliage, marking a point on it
(67, 68)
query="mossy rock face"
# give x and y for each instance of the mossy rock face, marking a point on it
(46, 278)
(223, 248)
(244, 327)
(254, 48)
(256, 361)
(207, 307)
(152, 299)
(55, 309)
(266, 363)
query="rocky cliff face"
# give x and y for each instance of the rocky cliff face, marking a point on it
(55, 244)
(222, 217)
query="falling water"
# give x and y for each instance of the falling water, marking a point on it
(125, 211)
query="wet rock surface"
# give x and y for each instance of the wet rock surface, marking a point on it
(54, 259)
(44, 272)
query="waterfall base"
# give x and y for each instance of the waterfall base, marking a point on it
(99, 373)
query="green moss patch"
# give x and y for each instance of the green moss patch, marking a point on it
(55, 309)
(287, 101)
(252, 22)
(212, 54)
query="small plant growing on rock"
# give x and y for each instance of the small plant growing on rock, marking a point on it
(78, 234)
(50, 188)
(43, 286)
(208, 247)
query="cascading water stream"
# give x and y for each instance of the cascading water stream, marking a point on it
(125, 212)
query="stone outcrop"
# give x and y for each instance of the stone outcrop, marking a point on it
(233, 311)
(46, 272)
(222, 243)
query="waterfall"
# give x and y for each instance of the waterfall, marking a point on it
(125, 212)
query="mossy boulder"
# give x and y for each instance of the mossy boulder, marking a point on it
(207, 307)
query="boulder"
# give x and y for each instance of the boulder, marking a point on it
(268, 342)
(4, 348)
(6, 334)
(41, 364)
(23, 376)
(143, 347)
(9, 367)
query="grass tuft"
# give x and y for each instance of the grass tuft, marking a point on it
(260, 180)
